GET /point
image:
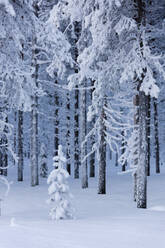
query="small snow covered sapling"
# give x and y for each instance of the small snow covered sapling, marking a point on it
(59, 189)
(43, 161)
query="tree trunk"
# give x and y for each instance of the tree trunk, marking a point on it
(34, 117)
(102, 155)
(142, 169)
(20, 145)
(68, 166)
(156, 136)
(136, 130)
(15, 134)
(84, 179)
(135, 186)
(34, 143)
(123, 150)
(4, 155)
(92, 142)
(141, 120)
(56, 124)
(116, 159)
(148, 115)
(76, 114)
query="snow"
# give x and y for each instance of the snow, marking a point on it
(8, 7)
(105, 221)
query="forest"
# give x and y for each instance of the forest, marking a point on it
(82, 132)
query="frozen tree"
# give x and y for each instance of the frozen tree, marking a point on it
(43, 161)
(59, 189)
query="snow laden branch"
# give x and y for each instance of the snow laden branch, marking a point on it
(8, 7)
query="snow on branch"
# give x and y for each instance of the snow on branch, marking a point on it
(8, 6)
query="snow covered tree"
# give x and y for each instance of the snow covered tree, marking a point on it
(59, 189)
(43, 161)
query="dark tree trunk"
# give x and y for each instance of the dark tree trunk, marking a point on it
(20, 145)
(102, 155)
(3, 151)
(148, 116)
(15, 134)
(76, 115)
(123, 150)
(56, 124)
(68, 165)
(116, 159)
(156, 136)
(92, 142)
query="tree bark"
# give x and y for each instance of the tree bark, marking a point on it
(102, 154)
(56, 124)
(142, 160)
(76, 114)
(156, 136)
(123, 150)
(148, 116)
(68, 165)
(34, 143)
(15, 134)
(92, 141)
(84, 179)
(142, 169)
(20, 145)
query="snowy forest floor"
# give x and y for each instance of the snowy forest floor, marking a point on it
(102, 221)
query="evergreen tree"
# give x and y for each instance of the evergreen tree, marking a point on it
(59, 189)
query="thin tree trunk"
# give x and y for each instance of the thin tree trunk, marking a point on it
(68, 165)
(123, 150)
(92, 142)
(136, 130)
(102, 155)
(15, 134)
(4, 155)
(84, 179)
(156, 136)
(56, 130)
(34, 143)
(135, 185)
(76, 114)
(34, 119)
(20, 145)
(148, 116)
(116, 159)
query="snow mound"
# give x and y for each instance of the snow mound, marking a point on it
(158, 208)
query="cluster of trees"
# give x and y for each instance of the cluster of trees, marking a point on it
(98, 66)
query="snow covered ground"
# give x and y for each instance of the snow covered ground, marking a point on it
(102, 221)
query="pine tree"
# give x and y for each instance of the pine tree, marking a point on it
(59, 189)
